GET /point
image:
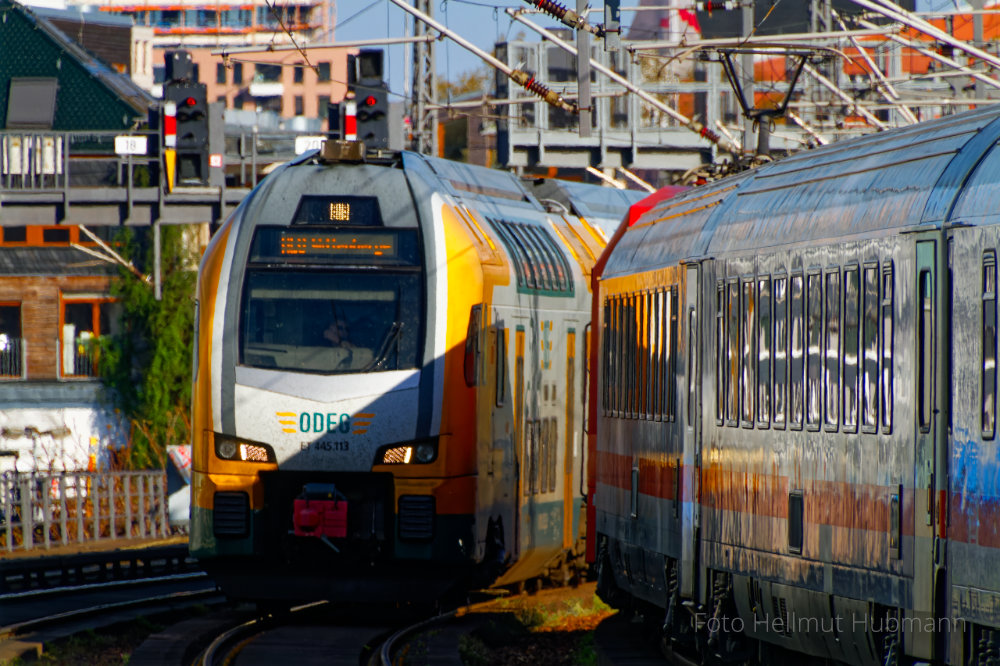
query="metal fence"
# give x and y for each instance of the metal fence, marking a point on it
(40, 510)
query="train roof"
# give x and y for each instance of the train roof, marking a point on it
(924, 174)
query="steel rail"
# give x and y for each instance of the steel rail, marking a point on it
(220, 650)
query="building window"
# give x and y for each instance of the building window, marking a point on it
(238, 72)
(299, 106)
(220, 73)
(84, 321)
(56, 236)
(11, 343)
(221, 99)
(323, 72)
(298, 73)
(268, 73)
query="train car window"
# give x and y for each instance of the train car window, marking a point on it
(831, 377)
(814, 351)
(720, 353)
(634, 366)
(692, 368)
(330, 322)
(780, 351)
(763, 352)
(663, 354)
(532, 450)
(630, 356)
(473, 346)
(852, 326)
(645, 355)
(887, 347)
(869, 351)
(925, 345)
(541, 279)
(543, 260)
(606, 357)
(748, 335)
(733, 370)
(522, 267)
(501, 366)
(796, 384)
(553, 452)
(619, 357)
(656, 345)
(989, 376)
(671, 388)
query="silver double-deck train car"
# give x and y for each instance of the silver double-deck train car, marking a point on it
(793, 419)
(388, 390)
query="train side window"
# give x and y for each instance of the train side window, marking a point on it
(780, 351)
(553, 452)
(887, 347)
(720, 353)
(647, 383)
(814, 351)
(650, 342)
(831, 379)
(619, 387)
(764, 352)
(870, 351)
(852, 324)
(796, 384)
(633, 345)
(605, 357)
(748, 365)
(660, 360)
(692, 367)
(501, 363)
(989, 377)
(733, 370)
(925, 344)
(671, 388)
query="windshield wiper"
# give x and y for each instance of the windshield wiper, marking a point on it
(393, 335)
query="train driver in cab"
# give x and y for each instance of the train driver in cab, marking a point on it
(347, 355)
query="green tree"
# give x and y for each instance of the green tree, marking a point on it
(146, 368)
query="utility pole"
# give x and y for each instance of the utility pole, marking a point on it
(747, 82)
(977, 38)
(583, 97)
(423, 120)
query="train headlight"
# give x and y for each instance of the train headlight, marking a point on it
(235, 448)
(426, 453)
(402, 454)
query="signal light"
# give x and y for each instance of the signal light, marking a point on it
(190, 101)
(370, 100)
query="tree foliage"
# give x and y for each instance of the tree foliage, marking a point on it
(147, 366)
(473, 81)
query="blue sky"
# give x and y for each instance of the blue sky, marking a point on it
(482, 22)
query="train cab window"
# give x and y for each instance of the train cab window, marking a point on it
(763, 352)
(733, 369)
(814, 342)
(887, 347)
(852, 326)
(748, 335)
(720, 353)
(796, 386)
(870, 351)
(989, 376)
(925, 346)
(831, 375)
(780, 352)
(330, 322)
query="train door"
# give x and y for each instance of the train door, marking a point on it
(502, 466)
(520, 440)
(689, 411)
(569, 450)
(930, 422)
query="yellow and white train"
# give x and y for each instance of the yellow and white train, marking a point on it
(389, 384)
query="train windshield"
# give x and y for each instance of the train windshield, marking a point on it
(330, 322)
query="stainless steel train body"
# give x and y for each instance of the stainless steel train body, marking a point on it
(795, 403)
(385, 350)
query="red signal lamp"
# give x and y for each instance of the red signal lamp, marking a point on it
(190, 101)
(370, 100)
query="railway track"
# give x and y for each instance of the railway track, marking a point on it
(33, 618)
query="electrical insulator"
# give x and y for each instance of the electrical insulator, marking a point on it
(717, 5)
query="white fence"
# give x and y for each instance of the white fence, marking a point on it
(40, 511)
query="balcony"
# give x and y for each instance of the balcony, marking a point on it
(13, 353)
(79, 356)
